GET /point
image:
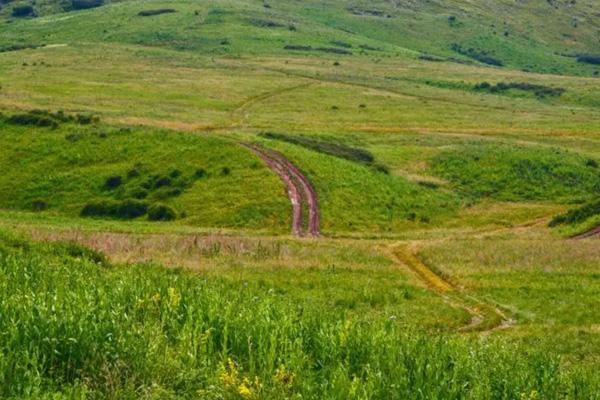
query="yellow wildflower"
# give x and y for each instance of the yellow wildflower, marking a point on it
(174, 297)
(244, 390)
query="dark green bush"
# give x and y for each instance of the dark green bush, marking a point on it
(113, 182)
(589, 59)
(39, 205)
(85, 4)
(150, 13)
(125, 209)
(161, 212)
(21, 11)
(33, 119)
(163, 181)
(200, 173)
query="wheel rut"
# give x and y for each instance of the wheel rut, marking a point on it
(485, 317)
(301, 192)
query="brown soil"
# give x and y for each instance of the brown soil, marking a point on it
(301, 192)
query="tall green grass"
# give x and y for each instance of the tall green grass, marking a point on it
(73, 326)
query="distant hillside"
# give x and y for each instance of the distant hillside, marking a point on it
(550, 36)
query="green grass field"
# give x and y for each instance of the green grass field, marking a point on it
(146, 252)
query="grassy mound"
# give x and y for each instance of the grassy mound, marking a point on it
(513, 173)
(75, 327)
(107, 169)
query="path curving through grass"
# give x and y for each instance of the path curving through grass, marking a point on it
(485, 317)
(301, 192)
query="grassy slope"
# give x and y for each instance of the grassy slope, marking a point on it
(218, 74)
(67, 179)
(168, 336)
(533, 35)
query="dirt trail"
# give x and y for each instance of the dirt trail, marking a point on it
(485, 317)
(588, 234)
(300, 191)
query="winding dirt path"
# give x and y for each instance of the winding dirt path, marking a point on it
(485, 317)
(301, 192)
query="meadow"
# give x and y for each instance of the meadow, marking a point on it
(147, 252)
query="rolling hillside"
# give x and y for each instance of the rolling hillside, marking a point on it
(254, 199)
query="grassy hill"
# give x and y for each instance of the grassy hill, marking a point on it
(541, 36)
(451, 148)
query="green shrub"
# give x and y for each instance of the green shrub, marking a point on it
(125, 209)
(589, 59)
(34, 119)
(85, 4)
(200, 173)
(113, 182)
(150, 13)
(161, 212)
(39, 205)
(23, 11)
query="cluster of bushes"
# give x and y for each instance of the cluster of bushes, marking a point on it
(589, 59)
(333, 50)
(539, 90)
(577, 215)
(477, 54)
(150, 13)
(330, 148)
(139, 184)
(139, 193)
(128, 209)
(123, 209)
(44, 118)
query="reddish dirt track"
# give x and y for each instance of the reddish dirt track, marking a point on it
(588, 234)
(300, 190)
